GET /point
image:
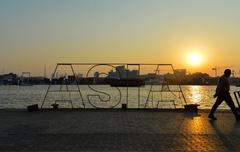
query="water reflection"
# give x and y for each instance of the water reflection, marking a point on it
(20, 97)
(196, 94)
(198, 132)
(202, 95)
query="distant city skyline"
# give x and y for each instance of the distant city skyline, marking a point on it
(192, 35)
(133, 72)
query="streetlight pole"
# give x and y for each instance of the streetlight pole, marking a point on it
(215, 69)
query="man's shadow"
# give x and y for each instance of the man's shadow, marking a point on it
(223, 136)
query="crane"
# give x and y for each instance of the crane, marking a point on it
(216, 69)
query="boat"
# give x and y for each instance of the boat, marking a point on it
(126, 83)
(237, 84)
(25, 79)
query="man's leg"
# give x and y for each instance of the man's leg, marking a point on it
(230, 103)
(214, 107)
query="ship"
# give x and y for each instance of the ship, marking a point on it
(126, 83)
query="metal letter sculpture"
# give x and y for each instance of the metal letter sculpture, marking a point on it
(103, 86)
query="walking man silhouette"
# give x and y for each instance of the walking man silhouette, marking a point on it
(222, 94)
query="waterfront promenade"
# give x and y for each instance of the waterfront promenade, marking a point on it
(117, 130)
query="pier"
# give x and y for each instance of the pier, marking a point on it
(117, 130)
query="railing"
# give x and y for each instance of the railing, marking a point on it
(117, 77)
(237, 96)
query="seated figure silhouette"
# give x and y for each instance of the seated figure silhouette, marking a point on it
(222, 94)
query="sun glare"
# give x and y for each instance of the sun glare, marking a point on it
(194, 59)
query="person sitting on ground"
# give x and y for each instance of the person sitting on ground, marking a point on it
(222, 94)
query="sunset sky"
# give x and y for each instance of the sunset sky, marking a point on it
(38, 32)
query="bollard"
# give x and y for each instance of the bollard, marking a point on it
(124, 106)
(32, 108)
(191, 107)
(55, 106)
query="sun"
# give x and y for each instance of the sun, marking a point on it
(195, 59)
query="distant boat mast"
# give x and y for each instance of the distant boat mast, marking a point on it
(45, 71)
(3, 70)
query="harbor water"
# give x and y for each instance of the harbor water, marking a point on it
(21, 96)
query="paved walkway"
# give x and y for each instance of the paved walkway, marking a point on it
(117, 130)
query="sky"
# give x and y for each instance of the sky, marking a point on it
(34, 33)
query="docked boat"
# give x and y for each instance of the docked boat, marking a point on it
(237, 84)
(127, 83)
